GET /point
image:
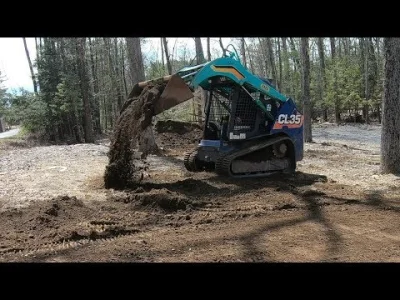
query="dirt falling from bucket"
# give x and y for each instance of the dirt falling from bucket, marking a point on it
(126, 166)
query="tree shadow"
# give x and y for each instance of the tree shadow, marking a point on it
(249, 240)
(314, 214)
(274, 180)
(202, 189)
(374, 199)
(279, 182)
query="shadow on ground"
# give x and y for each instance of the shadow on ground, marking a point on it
(203, 188)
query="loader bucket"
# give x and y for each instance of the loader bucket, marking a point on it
(176, 92)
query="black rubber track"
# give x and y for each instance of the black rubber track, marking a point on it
(224, 162)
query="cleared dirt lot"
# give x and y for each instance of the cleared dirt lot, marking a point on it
(336, 208)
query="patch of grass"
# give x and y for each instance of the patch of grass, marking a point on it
(23, 133)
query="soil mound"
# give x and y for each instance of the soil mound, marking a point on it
(176, 126)
(163, 199)
(178, 135)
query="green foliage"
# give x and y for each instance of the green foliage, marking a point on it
(2, 88)
(3, 95)
(24, 108)
(348, 84)
(33, 117)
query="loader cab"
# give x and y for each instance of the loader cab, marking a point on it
(218, 108)
(232, 115)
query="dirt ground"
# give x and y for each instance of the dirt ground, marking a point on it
(337, 207)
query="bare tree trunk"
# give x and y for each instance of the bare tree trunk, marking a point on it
(208, 49)
(37, 47)
(30, 67)
(280, 84)
(305, 82)
(322, 77)
(169, 66)
(199, 51)
(297, 67)
(362, 68)
(85, 90)
(243, 52)
(250, 59)
(113, 75)
(135, 59)
(200, 59)
(271, 58)
(366, 79)
(347, 47)
(123, 70)
(96, 102)
(264, 57)
(107, 122)
(108, 104)
(118, 73)
(222, 47)
(286, 67)
(335, 85)
(162, 56)
(390, 141)
(294, 57)
(355, 48)
(378, 54)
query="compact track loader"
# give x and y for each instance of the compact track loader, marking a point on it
(250, 129)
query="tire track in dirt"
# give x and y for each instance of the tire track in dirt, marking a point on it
(53, 248)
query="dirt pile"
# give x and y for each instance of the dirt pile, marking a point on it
(178, 127)
(41, 222)
(155, 199)
(173, 134)
(62, 220)
(125, 165)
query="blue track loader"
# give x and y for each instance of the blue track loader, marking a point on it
(250, 129)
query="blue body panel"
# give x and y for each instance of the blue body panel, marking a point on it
(288, 121)
(218, 144)
(211, 143)
(294, 131)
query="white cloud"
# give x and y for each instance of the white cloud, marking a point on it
(14, 64)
